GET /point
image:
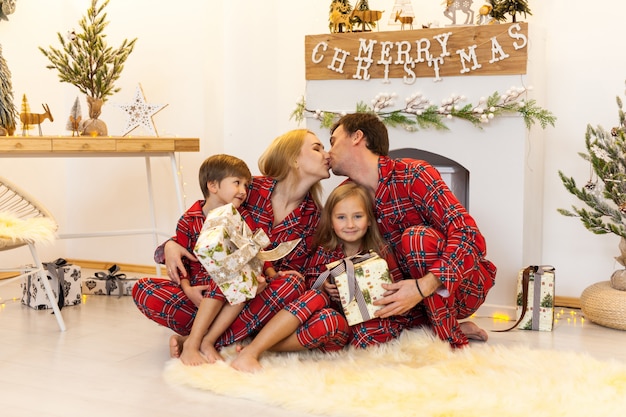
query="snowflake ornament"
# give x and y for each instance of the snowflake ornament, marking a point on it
(139, 113)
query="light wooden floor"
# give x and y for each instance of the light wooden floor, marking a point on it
(110, 360)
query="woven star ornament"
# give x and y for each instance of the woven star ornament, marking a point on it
(139, 113)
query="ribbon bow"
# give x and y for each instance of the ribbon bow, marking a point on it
(113, 280)
(233, 255)
(249, 245)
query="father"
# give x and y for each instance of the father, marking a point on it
(437, 243)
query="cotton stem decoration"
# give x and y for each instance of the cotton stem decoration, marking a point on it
(419, 112)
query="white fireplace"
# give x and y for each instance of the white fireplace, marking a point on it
(503, 163)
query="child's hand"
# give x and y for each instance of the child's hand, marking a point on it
(194, 293)
(174, 253)
(331, 290)
(262, 284)
(284, 273)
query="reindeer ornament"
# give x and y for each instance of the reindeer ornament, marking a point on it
(28, 119)
(404, 20)
(452, 6)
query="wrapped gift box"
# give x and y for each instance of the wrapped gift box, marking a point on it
(64, 278)
(108, 283)
(232, 254)
(358, 293)
(540, 299)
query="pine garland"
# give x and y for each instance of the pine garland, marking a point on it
(421, 113)
(605, 192)
(85, 60)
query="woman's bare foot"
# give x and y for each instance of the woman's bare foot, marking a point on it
(246, 362)
(472, 331)
(176, 345)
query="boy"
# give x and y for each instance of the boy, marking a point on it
(223, 179)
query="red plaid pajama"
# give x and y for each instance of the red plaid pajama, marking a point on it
(165, 302)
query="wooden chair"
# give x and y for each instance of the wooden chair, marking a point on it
(25, 222)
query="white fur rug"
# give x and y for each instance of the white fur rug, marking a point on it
(418, 375)
(34, 229)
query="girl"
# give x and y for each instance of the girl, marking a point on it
(347, 227)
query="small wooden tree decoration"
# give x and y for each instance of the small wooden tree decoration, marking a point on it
(89, 64)
(25, 108)
(73, 122)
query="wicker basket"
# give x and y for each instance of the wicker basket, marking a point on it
(604, 305)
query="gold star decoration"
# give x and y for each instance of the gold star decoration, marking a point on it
(139, 113)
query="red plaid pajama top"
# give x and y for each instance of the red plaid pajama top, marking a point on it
(412, 194)
(164, 302)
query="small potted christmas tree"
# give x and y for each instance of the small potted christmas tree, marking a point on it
(604, 194)
(605, 191)
(86, 61)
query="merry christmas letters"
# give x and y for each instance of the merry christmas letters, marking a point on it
(452, 51)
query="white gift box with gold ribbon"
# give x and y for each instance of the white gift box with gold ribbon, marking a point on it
(232, 254)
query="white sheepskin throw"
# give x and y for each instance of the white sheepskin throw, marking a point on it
(34, 229)
(419, 375)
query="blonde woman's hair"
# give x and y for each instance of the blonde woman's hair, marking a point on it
(277, 160)
(325, 235)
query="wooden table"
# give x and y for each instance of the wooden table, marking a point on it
(107, 146)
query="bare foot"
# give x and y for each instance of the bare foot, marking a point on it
(239, 347)
(472, 331)
(176, 345)
(211, 353)
(246, 362)
(192, 357)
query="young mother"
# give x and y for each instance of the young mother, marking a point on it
(285, 203)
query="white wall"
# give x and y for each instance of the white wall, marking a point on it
(231, 73)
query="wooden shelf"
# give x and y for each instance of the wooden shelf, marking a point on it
(63, 145)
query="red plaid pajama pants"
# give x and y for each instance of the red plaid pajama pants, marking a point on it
(421, 247)
(324, 327)
(164, 302)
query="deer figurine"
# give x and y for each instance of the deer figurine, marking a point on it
(404, 20)
(35, 118)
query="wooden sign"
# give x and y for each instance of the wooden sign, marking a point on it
(499, 49)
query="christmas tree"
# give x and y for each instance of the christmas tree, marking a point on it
(85, 60)
(605, 191)
(8, 112)
(503, 7)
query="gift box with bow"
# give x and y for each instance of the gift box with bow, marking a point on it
(535, 298)
(110, 282)
(65, 281)
(359, 281)
(233, 255)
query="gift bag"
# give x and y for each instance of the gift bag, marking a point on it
(65, 281)
(535, 298)
(359, 281)
(110, 282)
(233, 255)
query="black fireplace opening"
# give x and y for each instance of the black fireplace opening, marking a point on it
(455, 175)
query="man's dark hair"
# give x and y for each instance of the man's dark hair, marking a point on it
(374, 130)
